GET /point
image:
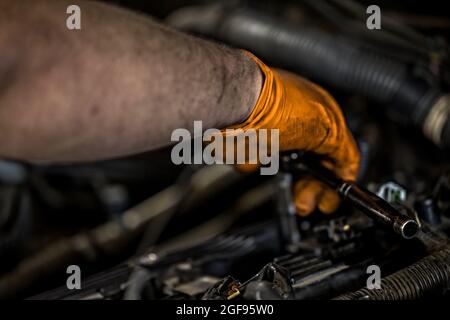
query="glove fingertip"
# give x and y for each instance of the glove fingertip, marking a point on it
(303, 210)
(329, 202)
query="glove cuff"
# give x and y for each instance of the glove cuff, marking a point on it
(265, 106)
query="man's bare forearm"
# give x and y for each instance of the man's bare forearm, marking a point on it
(118, 86)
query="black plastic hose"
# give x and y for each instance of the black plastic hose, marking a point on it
(428, 277)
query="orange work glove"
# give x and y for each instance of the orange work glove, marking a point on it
(308, 118)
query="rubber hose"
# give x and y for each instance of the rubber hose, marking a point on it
(428, 277)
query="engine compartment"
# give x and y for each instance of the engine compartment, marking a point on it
(143, 228)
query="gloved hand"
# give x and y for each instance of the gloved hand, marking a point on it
(309, 119)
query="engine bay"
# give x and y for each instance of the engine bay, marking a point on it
(143, 228)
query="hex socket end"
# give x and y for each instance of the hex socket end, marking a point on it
(406, 227)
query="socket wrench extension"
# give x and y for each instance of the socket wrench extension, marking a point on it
(364, 200)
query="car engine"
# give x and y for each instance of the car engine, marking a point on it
(142, 228)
